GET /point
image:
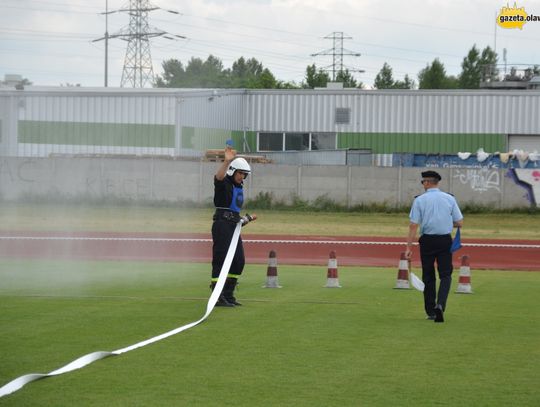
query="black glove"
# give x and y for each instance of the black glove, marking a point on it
(244, 220)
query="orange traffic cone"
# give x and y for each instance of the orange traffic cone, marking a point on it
(332, 280)
(464, 283)
(271, 271)
(403, 273)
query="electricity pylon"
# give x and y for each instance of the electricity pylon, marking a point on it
(337, 52)
(138, 70)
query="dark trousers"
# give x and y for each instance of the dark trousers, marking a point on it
(222, 232)
(436, 248)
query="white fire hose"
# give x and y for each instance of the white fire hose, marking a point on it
(19, 382)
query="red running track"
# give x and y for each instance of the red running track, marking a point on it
(308, 250)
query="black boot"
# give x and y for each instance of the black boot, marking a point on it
(228, 290)
(222, 301)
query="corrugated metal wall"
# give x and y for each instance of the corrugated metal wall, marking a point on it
(8, 125)
(448, 112)
(90, 122)
(219, 109)
(4, 122)
(153, 121)
(101, 108)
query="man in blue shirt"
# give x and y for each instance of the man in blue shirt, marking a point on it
(436, 213)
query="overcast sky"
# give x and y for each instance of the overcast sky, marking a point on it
(50, 41)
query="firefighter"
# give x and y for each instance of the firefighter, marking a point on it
(228, 200)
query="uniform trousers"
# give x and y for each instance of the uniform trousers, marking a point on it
(222, 232)
(436, 248)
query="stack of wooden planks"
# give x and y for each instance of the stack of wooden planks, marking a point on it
(219, 156)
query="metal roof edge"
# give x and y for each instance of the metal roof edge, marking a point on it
(197, 92)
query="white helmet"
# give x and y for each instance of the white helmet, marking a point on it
(239, 164)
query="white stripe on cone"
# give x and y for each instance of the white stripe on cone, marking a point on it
(271, 272)
(332, 280)
(402, 281)
(464, 282)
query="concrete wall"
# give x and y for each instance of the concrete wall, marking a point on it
(152, 179)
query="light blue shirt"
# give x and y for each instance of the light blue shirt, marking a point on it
(435, 211)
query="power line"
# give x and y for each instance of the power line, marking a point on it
(16, 31)
(337, 52)
(138, 70)
(48, 10)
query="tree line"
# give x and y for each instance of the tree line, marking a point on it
(244, 73)
(250, 73)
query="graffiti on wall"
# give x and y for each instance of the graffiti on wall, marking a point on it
(31, 176)
(17, 172)
(530, 180)
(479, 179)
(130, 188)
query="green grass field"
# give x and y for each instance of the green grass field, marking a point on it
(34, 217)
(302, 345)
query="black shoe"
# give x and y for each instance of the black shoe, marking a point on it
(439, 314)
(222, 302)
(231, 299)
(430, 317)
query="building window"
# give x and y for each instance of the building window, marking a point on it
(296, 141)
(323, 141)
(270, 142)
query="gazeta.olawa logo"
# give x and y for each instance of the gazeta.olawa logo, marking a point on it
(515, 17)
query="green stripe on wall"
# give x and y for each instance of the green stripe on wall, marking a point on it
(157, 135)
(203, 139)
(386, 143)
(96, 134)
(188, 137)
(251, 139)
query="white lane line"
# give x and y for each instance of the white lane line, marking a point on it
(275, 241)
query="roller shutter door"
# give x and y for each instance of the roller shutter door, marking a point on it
(528, 143)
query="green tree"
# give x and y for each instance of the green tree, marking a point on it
(213, 75)
(406, 83)
(246, 73)
(488, 65)
(347, 79)
(478, 67)
(384, 79)
(287, 85)
(451, 82)
(196, 74)
(470, 70)
(266, 80)
(173, 71)
(434, 77)
(316, 78)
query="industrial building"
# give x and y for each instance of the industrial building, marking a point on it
(149, 145)
(38, 122)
